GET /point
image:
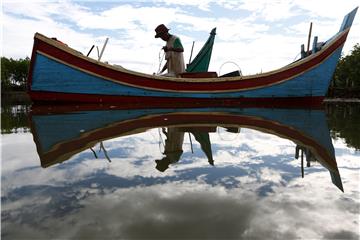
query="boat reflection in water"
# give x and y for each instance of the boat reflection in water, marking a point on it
(62, 131)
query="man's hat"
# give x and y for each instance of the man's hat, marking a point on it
(162, 164)
(160, 30)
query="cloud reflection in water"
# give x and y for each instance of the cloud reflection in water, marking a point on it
(251, 192)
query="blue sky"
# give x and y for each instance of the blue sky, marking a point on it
(255, 35)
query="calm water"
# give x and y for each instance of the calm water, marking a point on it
(252, 173)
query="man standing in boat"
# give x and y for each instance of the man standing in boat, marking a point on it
(173, 52)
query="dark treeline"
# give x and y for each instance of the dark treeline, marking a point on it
(344, 122)
(14, 74)
(14, 118)
(345, 83)
(346, 80)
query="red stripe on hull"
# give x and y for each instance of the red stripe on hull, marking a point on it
(148, 82)
(128, 102)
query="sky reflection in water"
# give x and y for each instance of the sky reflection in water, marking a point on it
(254, 190)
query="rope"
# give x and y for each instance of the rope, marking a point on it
(297, 55)
(232, 63)
(161, 141)
(161, 58)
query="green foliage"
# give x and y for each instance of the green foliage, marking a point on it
(347, 74)
(344, 122)
(14, 73)
(14, 118)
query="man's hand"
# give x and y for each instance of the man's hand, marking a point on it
(166, 49)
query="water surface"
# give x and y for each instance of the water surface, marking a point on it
(83, 173)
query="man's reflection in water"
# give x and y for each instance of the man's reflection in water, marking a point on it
(173, 145)
(173, 148)
(175, 139)
(310, 157)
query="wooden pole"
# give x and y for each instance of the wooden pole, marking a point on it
(302, 163)
(105, 152)
(192, 48)
(309, 37)
(102, 50)
(192, 150)
(90, 50)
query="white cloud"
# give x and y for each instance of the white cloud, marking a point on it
(162, 211)
(200, 4)
(270, 175)
(269, 10)
(249, 40)
(18, 43)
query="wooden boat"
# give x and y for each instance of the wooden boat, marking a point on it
(61, 74)
(62, 131)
